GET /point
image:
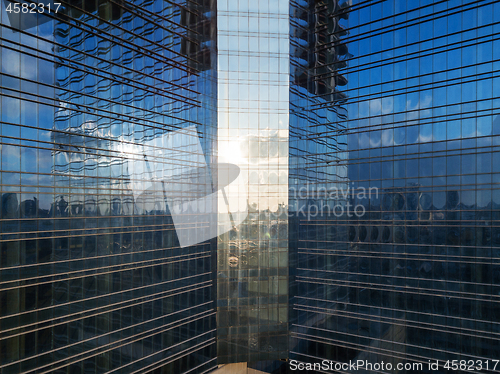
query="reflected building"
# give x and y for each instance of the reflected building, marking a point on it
(319, 183)
(364, 222)
(414, 278)
(93, 277)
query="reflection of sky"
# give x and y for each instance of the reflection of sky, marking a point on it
(416, 115)
(253, 105)
(26, 67)
(437, 119)
(253, 89)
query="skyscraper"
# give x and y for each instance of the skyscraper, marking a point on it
(363, 224)
(253, 133)
(93, 278)
(407, 96)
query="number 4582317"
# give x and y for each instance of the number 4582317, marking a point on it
(32, 8)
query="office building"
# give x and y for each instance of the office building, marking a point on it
(93, 279)
(407, 93)
(252, 270)
(363, 224)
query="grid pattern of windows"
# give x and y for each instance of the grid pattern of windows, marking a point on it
(92, 278)
(414, 135)
(253, 134)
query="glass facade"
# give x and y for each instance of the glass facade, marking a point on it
(364, 222)
(252, 268)
(410, 129)
(92, 275)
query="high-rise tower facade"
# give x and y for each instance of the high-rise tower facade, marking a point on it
(252, 270)
(93, 279)
(407, 93)
(363, 222)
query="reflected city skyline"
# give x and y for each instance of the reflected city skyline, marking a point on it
(252, 271)
(125, 248)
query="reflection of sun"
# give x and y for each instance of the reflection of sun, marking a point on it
(129, 149)
(230, 152)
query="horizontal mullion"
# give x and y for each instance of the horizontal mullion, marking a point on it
(96, 98)
(413, 55)
(100, 270)
(166, 361)
(403, 256)
(105, 35)
(106, 75)
(110, 308)
(108, 295)
(92, 112)
(114, 345)
(386, 277)
(398, 322)
(402, 289)
(422, 87)
(405, 24)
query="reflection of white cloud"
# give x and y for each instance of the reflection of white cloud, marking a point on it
(484, 126)
(367, 141)
(364, 109)
(10, 62)
(375, 106)
(424, 138)
(415, 111)
(63, 111)
(364, 140)
(44, 135)
(12, 109)
(385, 105)
(387, 138)
(374, 143)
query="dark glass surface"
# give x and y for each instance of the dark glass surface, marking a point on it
(92, 278)
(388, 107)
(400, 97)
